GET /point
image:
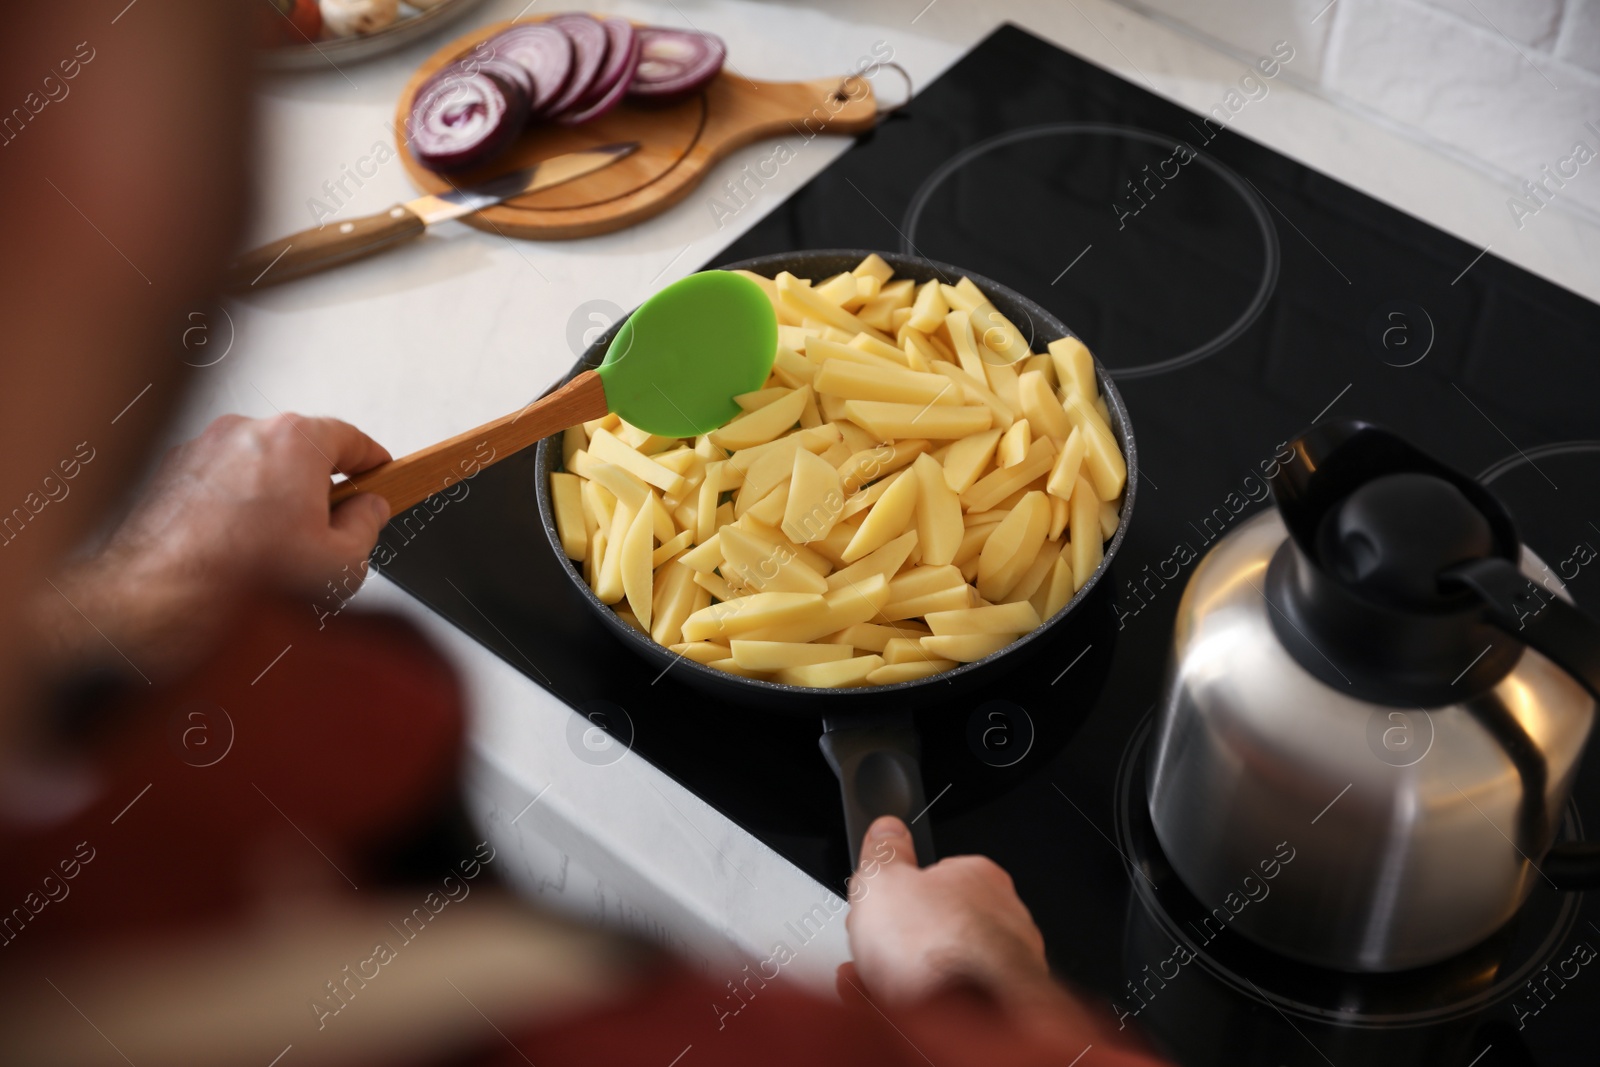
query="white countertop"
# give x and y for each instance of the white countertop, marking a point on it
(420, 343)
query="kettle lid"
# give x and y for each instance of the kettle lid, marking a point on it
(1375, 524)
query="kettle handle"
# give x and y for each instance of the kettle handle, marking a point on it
(1562, 632)
(1570, 639)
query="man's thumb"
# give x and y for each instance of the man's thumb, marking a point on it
(887, 841)
(361, 518)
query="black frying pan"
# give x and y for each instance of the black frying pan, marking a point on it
(868, 735)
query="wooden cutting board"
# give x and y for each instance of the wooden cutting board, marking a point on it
(679, 143)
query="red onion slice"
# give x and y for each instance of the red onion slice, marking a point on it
(672, 62)
(462, 120)
(612, 84)
(589, 44)
(544, 52)
(485, 61)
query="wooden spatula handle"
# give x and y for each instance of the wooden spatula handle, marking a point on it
(412, 479)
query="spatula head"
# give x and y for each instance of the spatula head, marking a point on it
(676, 364)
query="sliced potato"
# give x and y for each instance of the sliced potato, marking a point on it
(761, 566)
(700, 651)
(777, 655)
(1041, 408)
(886, 521)
(929, 308)
(839, 674)
(1074, 369)
(566, 497)
(968, 458)
(1064, 475)
(1014, 444)
(753, 612)
(1084, 527)
(1017, 618)
(815, 499)
(890, 420)
(993, 488)
(764, 424)
(939, 525)
(859, 381)
(605, 446)
(1012, 547)
(1108, 471)
(966, 648)
(634, 564)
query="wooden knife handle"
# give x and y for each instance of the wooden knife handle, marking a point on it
(325, 246)
(409, 480)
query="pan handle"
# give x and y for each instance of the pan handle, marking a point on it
(876, 762)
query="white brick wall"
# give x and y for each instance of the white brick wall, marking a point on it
(1505, 84)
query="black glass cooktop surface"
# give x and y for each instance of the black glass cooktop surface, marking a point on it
(1237, 296)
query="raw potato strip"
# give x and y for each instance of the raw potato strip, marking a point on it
(959, 324)
(928, 309)
(966, 648)
(753, 612)
(1013, 546)
(764, 424)
(1074, 369)
(669, 548)
(675, 603)
(566, 496)
(993, 488)
(887, 518)
(606, 447)
(1108, 471)
(816, 499)
(877, 462)
(874, 267)
(890, 421)
(874, 637)
(700, 651)
(778, 655)
(977, 391)
(1018, 618)
(997, 333)
(807, 302)
(885, 561)
(939, 525)
(1058, 589)
(762, 566)
(840, 674)
(608, 581)
(969, 457)
(841, 608)
(1014, 444)
(573, 439)
(858, 381)
(1084, 525)
(1041, 408)
(634, 564)
(1064, 475)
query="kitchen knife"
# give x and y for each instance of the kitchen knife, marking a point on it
(333, 243)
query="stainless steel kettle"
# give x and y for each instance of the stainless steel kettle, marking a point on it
(1373, 714)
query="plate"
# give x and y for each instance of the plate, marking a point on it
(320, 55)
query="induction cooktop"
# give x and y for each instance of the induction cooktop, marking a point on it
(1237, 297)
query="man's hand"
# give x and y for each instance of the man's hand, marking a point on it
(915, 932)
(245, 503)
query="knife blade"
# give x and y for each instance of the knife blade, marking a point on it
(334, 243)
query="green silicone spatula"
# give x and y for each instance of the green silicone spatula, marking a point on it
(672, 369)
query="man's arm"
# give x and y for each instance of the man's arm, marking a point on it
(242, 506)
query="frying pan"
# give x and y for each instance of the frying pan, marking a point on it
(868, 737)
